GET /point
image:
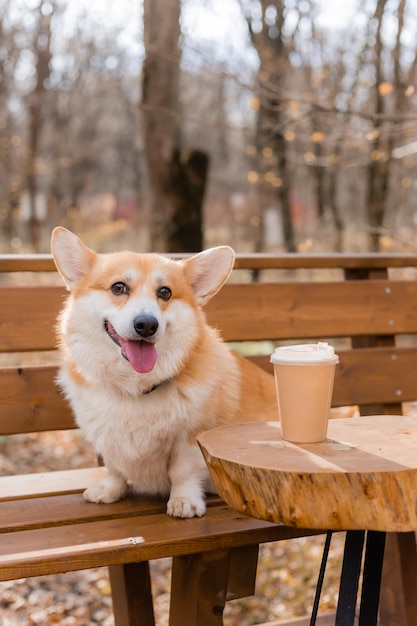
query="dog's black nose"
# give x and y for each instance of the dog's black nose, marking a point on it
(145, 325)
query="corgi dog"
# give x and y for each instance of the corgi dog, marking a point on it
(145, 373)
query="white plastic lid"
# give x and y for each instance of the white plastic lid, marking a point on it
(320, 352)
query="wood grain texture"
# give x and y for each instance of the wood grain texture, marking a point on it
(26, 263)
(45, 526)
(364, 476)
(57, 549)
(60, 510)
(132, 594)
(313, 309)
(20, 487)
(45, 263)
(243, 311)
(199, 588)
(30, 401)
(28, 317)
(370, 375)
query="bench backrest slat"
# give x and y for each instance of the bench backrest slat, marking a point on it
(365, 376)
(299, 310)
(28, 317)
(370, 260)
(243, 312)
(31, 402)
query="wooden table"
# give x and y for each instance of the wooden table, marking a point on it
(362, 479)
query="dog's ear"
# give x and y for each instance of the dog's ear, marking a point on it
(72, 258)
(207, 271)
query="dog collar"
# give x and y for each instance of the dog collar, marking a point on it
(150, 389)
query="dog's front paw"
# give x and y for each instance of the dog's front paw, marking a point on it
(110, 489)
(186, 507)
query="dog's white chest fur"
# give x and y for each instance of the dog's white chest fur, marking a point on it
(136, 435)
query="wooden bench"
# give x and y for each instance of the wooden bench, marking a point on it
(366, 305)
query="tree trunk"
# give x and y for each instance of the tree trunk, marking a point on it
(188, 182)
(273, 56)
(43, 57)
(176, 181)
(378, 169)
(284, 193)
(333, 204)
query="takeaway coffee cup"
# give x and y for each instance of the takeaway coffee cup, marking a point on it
(304, 376)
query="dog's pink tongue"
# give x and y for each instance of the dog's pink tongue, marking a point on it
(142, 355)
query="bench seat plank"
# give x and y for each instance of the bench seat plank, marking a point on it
(49, 483)
(48, 512)
(129, 539)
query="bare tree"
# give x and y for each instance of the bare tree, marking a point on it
(42, 52)
(273, 45)
(177, 180)
(389, 99)
(10, 140)
(320, 130)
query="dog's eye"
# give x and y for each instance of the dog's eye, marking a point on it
(164, 293)
(120, 289)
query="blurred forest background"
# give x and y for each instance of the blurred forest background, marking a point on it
(269, 125)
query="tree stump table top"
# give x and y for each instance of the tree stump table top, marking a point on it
(362, 477)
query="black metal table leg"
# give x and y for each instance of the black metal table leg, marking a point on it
(320, 580)
(349, 581)
(372, 574)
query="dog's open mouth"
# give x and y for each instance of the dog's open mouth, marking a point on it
(141, 354)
